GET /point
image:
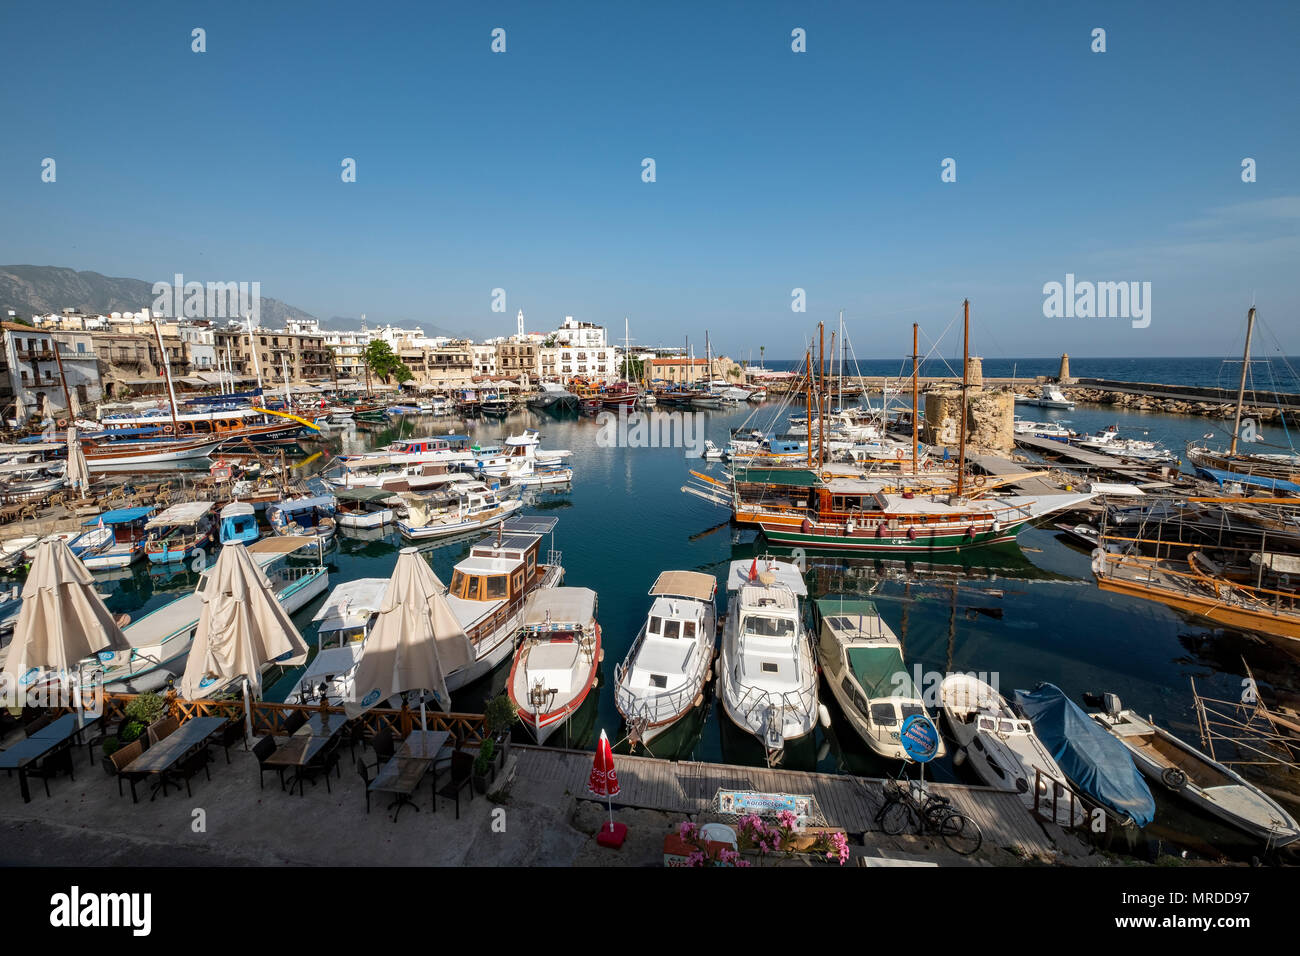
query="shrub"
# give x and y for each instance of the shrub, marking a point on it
(110, 746)
(500, 714)
(146, 708)
(130, 731)
(484, 759)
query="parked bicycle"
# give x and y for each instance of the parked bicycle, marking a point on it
(904, 810)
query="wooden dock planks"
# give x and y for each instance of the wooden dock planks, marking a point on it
(688, 787)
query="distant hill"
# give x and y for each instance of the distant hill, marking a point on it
(32, 290)
(345, 323)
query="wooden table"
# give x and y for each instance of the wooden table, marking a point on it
(306, 743)
(163, 756)
(405, 769)
(41, 744)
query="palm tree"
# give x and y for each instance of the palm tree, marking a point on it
(761, 350)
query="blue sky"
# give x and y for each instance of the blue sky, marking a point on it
(775, 170)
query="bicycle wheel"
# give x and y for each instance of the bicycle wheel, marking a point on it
(961, 833)
(897, 817)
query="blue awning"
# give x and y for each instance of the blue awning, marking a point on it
(122, 515)
(1254, 481)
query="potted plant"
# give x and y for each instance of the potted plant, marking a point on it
(483, 765)
(499, 716)
(145, 709)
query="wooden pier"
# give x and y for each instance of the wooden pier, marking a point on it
(688, 788)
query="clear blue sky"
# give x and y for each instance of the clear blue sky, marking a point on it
(775, 170)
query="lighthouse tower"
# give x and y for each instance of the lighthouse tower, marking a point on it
(520, 322)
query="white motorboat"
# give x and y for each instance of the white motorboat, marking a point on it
(1049, 396)
(1053, 430)
(712, 452)
(304, 515)
(364, 508)
(662, 679)
(558, 658)
(862, 659)
(767, 674)
(1197, 777)
(116, 541)
(343, 622)
(1004, 751)
(473, 506)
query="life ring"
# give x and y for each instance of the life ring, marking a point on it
(167, 429)
(979, 481)
(63, 423)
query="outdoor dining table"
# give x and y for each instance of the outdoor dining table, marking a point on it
(306, 743)
(39, 745)
(402, 774)
(161, 758)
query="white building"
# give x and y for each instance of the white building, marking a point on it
(586, 335)
(201, 342)
(485, 359)
(566, 361)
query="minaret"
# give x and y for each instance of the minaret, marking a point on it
(520, 321)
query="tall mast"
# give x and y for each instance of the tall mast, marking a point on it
(67, 396)
(252, 345)
(843, 349)
(821, 395)
(914, 397)
(808, 371)
(1241, 389)
(167, 370)
(687, 356)
(965, 381)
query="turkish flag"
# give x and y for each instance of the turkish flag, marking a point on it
(604, 781)
(753, 570)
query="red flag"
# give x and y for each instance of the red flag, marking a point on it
(604, 781)
(753, 570)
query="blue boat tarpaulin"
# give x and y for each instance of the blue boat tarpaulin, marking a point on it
(122, 515)
(1095, 762)
(1254, 481)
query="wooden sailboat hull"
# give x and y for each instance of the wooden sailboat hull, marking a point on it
(1210, 608)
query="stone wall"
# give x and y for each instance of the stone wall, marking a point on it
(990, 417)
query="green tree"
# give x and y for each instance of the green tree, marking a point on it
(385, 363)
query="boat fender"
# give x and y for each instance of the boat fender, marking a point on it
(911, 534)
(850, 526)
(1174, 779)
(806, 526)
(824, 716)
(699, 699)
(970, 532)
(602, 655)
(959, 757)
(996, 527)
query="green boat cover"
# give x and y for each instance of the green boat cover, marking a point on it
(846, 607)
(791, 477)
(881, 672)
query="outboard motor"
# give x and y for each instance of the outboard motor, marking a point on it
(1113, 706)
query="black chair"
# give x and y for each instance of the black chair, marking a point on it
(462, 771)
(354, 732)
(321, 765)
(121, 759)
(261, 750)
(293, 722)
(384, 748)
(363, 771)
(227, 735)
(97, 737)
(191, 765)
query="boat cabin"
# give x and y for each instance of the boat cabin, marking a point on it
(239, 523)
(127, 524)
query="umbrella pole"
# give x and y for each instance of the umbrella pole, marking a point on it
(248, 713)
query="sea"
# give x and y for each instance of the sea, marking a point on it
(1019, 614)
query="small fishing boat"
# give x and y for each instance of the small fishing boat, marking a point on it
(364, 508)
(308, 515)
(767, 674)
(239, 523)
(557, 659)
(712, 452)
(1004, 751)
(473, 505)
(179, 532)
(116, 540)
(1053, 430)
(862, 659)
(343, 622)
(1198, 778)
(495, 406)
(662, 679)
(1084, 534)
(1097, 764)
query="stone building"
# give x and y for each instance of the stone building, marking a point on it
(990, 417)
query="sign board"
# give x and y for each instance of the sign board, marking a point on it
(920, 738)
(743, 802)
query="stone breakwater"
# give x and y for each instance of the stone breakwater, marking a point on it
(1131, 401)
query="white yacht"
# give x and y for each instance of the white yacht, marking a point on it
(473, 506)
(767, 674)
(1004, 750)
(863, 663)
(1049, 396)
(344, 622)
(662, 678)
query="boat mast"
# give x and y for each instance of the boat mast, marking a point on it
(821, 396)
(67, 396)
(167, 371)
(965, 381)
(252, 347)
(808, 371)
(843, 348)
(914, 396)
(1241, 389)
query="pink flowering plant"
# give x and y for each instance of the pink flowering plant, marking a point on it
(699, 856)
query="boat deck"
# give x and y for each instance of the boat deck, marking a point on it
(688, 787)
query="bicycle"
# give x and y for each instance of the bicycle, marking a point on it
(902, 811)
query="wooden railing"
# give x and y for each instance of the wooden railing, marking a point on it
(269, 718)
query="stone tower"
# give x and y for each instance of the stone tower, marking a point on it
(975, 371)
(1064, 376)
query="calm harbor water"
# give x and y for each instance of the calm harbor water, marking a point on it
(1021, 613)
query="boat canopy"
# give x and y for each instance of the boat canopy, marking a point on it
(282, 544)
(237, 508)
(187, 512)
(692, 585)
(1255, 481)
(792, 477)
(560, 606)
(881, 672)
(293, 505)
(352, 598)
(850, 607)
(121, 515)
(364, 494)
(1097, 763)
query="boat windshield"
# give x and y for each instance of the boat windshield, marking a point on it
(758, 625)
(883, 714)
